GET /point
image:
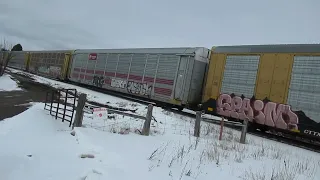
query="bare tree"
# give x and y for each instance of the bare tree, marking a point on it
(6, 54)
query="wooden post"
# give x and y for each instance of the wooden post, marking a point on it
(79, 111)
(197, 124)
(221, 128)
(244, 131)
(147, 122)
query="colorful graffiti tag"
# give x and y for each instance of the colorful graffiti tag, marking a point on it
(270, 113)
(132, 86)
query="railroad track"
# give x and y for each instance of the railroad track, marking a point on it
(282, 139)
(289, 141)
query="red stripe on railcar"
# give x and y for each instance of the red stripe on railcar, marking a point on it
(148, 79)
(135, 77)
(88, 77)
(110, 74)
(157, 90)
(163, 91)
(131, 76)
(119, 75)
(90, 71)
(164, 81)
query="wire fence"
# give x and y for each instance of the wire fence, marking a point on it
(163, 122)
(124, 120)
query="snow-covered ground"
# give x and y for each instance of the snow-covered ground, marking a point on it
(7, 84)
(36, 146)
(91, 95)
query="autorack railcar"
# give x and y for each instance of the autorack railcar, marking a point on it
(18, 59)
(275, 86)
(51, 64)
(170, 75)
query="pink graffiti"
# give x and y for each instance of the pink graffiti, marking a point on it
(270, 113)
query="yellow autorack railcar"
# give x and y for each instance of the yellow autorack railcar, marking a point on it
(51, 64)
(275, 86)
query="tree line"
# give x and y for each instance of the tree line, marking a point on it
(6, 54)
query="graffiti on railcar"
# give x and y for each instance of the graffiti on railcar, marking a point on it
(51, 70)
(44, 70)
(132, 86)
(266, 113)
(139, 88)
(118, 83)
(98, 81)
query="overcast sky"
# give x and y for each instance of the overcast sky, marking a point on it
(70, 24)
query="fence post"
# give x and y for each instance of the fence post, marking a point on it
(79, 111)
(244, 131)
(197, 124)
(221, 128)
(147, 122)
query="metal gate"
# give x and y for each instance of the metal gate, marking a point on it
(61, 104)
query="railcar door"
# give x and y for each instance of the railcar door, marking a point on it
(179, 86)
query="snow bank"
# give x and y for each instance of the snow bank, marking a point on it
(36, 146)
(7, 83)
(173, 153)
(120, 152)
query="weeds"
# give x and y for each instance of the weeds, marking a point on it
(250, 175)
(192, 156)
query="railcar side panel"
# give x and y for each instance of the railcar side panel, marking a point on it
(165, 77)
(49, 64)
(286, 94)
(139, 72)
(281, 78)
(240, 74)
(274, 77)
(65, 69)
(304, 92)
(118, 72)
(214, 76)
(18, 60)
(196, 81)
(265, 74)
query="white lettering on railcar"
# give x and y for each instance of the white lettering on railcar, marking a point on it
(118, 83)
(314, 133)
(138, 88)
(132, 86)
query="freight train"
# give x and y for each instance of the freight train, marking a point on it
(275, 86)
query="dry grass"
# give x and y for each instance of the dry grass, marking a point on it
(287, 170)
(207, 149)
(194, 156)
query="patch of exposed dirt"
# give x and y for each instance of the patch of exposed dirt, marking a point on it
(15, 102)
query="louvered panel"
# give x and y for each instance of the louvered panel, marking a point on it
(304, 92)
(167, 67)
(240, 75)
